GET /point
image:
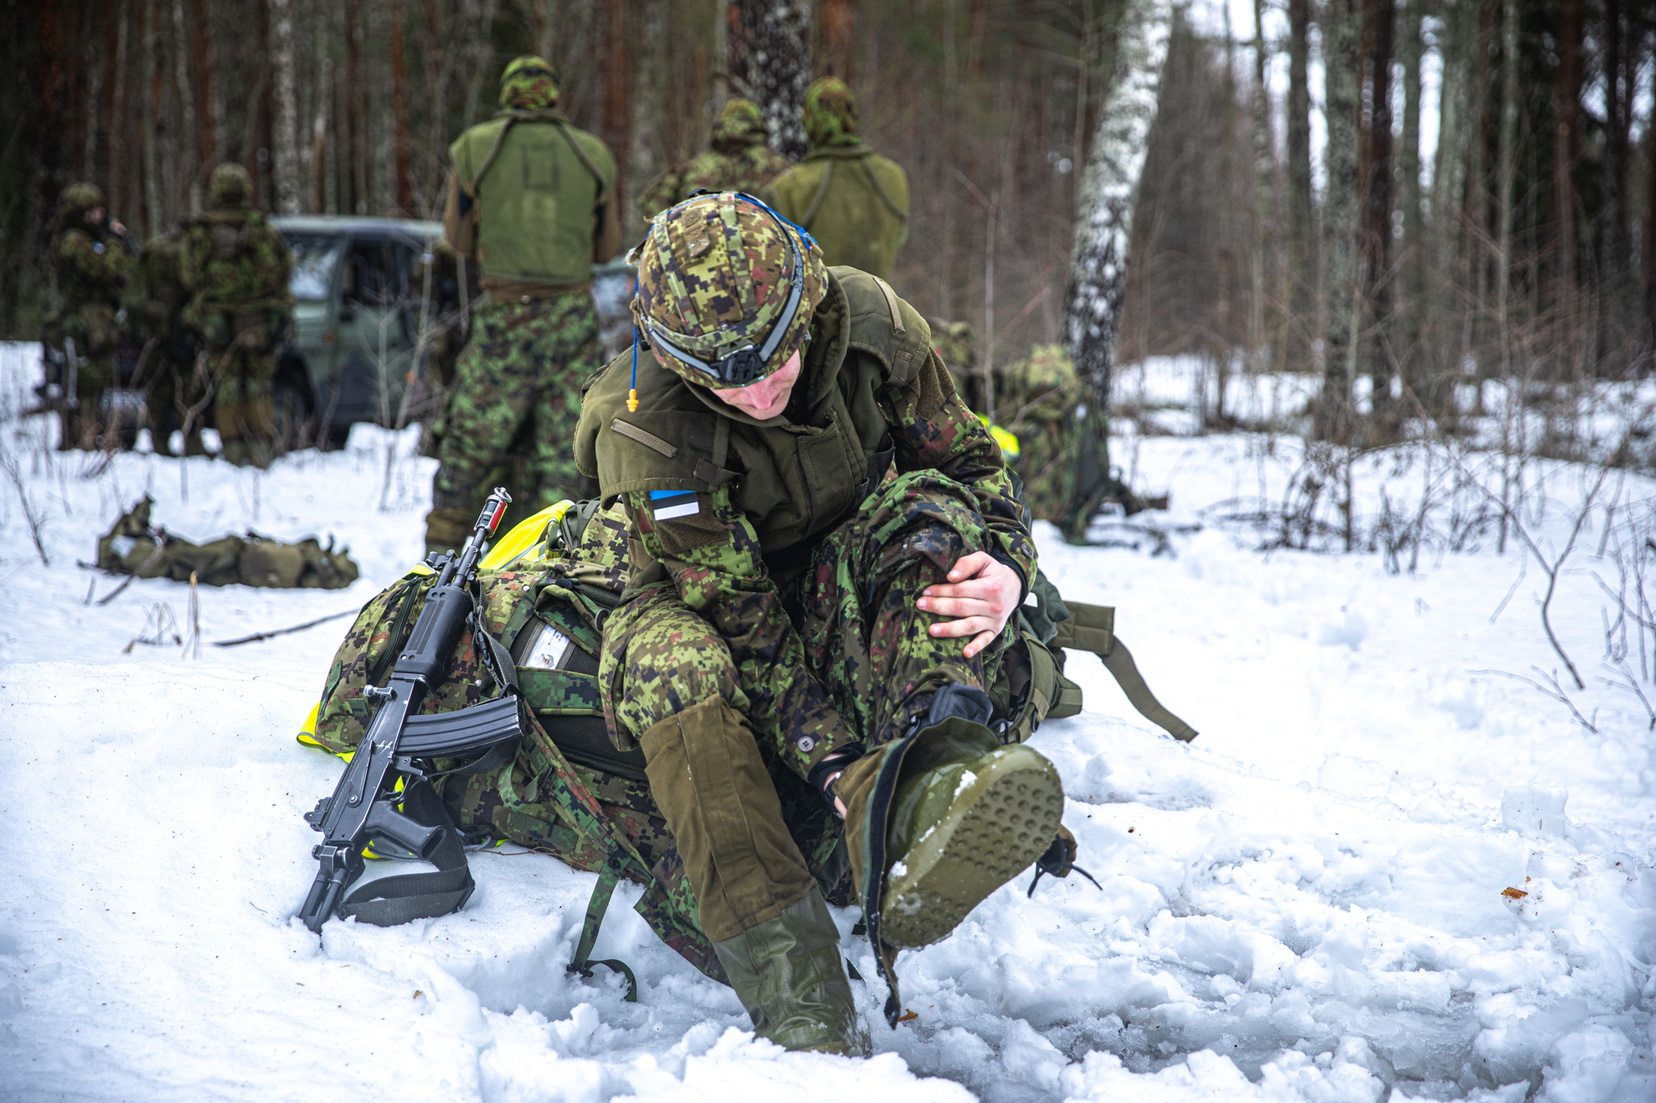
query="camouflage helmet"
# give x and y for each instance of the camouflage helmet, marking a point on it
(528, 83)
(739, 126)
(726, 289)
(230, 187)
(78, 198)
(830, 113)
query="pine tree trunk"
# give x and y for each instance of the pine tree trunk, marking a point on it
(837, 35)
(1103, 223)
(1302, 241)
(1566, 149)
(399, 112)
(1378, 353)
(1415, 359)
(770, 64)
(1334, 419)
(286, 151)
(1264, 350)
(616, 116)
(1617, 268)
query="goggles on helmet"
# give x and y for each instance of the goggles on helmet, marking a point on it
(746, 364)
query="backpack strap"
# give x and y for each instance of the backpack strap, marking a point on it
(821, 194)
(1092, 628)
(597, 904)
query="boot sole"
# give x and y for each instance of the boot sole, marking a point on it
(999, 825)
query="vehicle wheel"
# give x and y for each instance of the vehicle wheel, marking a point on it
(291, 414)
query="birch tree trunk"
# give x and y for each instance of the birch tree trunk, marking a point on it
(1334, 418)
(1098, 261)
(770, 64)
(286, 152)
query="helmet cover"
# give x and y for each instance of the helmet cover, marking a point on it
(830, 113)
(230, 187)
(528, 83)
(717, 275)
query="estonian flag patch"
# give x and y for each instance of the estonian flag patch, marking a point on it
(665, 505)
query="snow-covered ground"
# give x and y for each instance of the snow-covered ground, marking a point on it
(1310, 902)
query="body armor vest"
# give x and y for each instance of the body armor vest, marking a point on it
(537, 181)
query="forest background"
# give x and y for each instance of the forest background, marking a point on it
(1517, 242)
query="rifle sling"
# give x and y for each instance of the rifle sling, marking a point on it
(388, 901)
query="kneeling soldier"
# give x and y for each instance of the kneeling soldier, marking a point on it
(826, 550)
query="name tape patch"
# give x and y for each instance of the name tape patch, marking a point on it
(668, 504)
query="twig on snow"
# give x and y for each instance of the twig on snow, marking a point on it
(257, 636)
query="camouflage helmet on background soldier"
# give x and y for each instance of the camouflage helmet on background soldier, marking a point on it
(230, 187)
(830, 113)
(76, 199)
(739, 126)
(528, 83)
(726, 289)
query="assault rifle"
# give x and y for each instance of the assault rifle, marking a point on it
(398, 745)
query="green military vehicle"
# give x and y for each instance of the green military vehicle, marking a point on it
(379, 317)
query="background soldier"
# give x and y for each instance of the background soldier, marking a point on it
(852, 200)
(801, 621)
(739, 161)
(91, 263)
(530, 200)
(237, 269)
(175, 394)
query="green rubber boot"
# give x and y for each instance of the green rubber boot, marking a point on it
(962, 829)
(947, 815)
(787, 972)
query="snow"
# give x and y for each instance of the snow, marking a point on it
(1305, 904)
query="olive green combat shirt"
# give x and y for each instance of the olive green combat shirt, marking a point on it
(720, 504)
(853, 201)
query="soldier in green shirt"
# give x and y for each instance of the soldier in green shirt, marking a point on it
(92, 260)
(531, 201)
(826, 549)
(236, 267)
(852, 200)
(739, 161)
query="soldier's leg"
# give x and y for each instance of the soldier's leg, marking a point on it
(570, 346)
(865, 636)
(230, 406)
(937, 799)
(259, 373)
(495, 382)
(97, 374)
(669, 684)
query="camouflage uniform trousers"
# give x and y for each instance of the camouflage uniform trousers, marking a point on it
(664, 669)
(517, 396)
(175, 394)
(94, 331)
(240, 372)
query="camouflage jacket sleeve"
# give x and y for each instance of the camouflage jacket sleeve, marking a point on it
(713, 557)
(932, 428)
(93, 269)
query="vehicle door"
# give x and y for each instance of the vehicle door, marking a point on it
(375, 328)
(316, 274)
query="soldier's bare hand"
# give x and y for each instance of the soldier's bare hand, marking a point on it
(980, 596)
